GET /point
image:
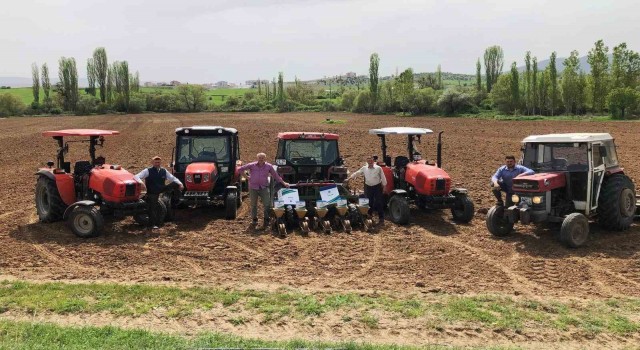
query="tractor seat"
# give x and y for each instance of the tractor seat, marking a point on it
(206, 156)
(82, 167)
(400, 162)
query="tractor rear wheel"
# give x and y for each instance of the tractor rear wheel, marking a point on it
(575, 230)
(49, 204)
(496, 222)
(617, 203)
(463, 210)
(231, 206)
(399, 209)
(143, 218)
(85, 221)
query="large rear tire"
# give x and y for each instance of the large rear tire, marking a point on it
(617, 203)
(399, 210)
(231, 206)
(49, 204)
(575, 230)
(463, 210)
(85, 221)
(496, 222)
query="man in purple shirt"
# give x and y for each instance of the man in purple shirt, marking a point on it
(259, 172)
(502, 180)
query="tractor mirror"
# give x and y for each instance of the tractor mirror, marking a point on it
(603, 151)
(50, 164)
(101, 140)
(339, 161)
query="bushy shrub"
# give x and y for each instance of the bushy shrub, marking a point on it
(162, 102)
(87, 104)
(11, 105)
(623, 102)
(102, 108)
(232, 101)
(362, 103)
(453, 101)
(301, 93)
(56, 110)
(423, 101)
(328, 106)
(348, 98)
(137, 104)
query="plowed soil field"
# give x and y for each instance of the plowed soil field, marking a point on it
(200, 247)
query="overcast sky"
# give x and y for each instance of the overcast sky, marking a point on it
(200, 41)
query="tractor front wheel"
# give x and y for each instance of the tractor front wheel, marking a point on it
(170, 213)
(143, 218)
(617, 203)
(49, 204)
(575, 230)
(399, 209)
(496, 222)
(231, 206)
(463, 210)
(85, 221)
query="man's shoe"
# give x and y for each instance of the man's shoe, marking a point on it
(380, 223)
(155, 227)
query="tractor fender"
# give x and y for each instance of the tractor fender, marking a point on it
(84, 203)
(398, 192)
(459, 191)
(229, 189)
(46, 173)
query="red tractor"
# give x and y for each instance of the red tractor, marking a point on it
(93, 188)
(412, 179)
(206, 158)
(577, 178)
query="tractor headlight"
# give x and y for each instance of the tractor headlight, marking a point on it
(189, 178)
(206, 177)
(536, 199)
(515, 198)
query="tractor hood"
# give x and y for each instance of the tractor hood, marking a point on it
(114, 184)
(200, 176)
(427, 179)
(541, 182)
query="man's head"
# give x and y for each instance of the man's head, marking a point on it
(370, 161)
(510, 161)
(156, 161)
(262, 158)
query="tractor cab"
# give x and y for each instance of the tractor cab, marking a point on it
(577, 178)
(309, 157)
(205, 160)
(410, 178)
(92, 188)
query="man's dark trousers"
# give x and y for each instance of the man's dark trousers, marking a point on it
(154, 209)
(376, 199)
(498, 193)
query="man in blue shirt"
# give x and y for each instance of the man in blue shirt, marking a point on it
(502, 180)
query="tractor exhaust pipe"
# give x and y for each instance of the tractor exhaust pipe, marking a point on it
(439, 150)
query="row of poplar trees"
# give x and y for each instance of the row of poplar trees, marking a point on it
(111, 82)
(612, 86)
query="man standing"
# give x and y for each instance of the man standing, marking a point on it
(155, 179)
(259, 172)
(502, 180)
(374, 183)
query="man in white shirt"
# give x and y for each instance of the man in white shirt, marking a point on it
(374, 183)
(155, 179)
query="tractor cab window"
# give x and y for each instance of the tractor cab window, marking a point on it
(202, 149)
(542, 157)
(611, 159)
(309, 152)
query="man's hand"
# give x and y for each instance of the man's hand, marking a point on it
(181, 187)
(286, 184)
(495, 184)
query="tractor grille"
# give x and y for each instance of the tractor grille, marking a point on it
(441, 184)
(525, 185)
(197, 178)
(130, 190)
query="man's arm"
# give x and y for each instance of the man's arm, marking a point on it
(359, 171)
(172, 178)
(141, 175)
(525, 170)
(276, 176)
(496, 176)
(383, 178)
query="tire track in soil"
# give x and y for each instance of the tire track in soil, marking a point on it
(517, 281)
(377, 248)
(196, 268)
(596, 270)
(543, 271)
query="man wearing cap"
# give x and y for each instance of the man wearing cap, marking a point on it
(374, 183)
(155, 178)
(259, 172)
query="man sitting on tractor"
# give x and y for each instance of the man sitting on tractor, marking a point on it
(502, 180)
(259, 172)
(154, 180)
(374, 183)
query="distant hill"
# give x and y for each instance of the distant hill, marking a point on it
(584, 65)
(16, 82)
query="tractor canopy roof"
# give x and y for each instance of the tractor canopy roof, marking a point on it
(307, 135)
(205, 130)
(80, 132)
(400, 131)
(568, 138)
